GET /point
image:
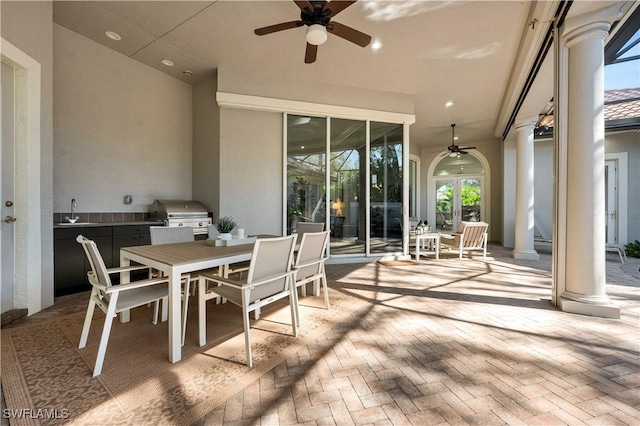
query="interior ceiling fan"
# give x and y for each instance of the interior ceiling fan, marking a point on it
(455, 150)
(317, 16)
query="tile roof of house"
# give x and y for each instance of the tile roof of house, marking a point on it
(621, 109)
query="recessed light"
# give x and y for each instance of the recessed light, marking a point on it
(376, 45)
(448, 104)
(167, 62)
(113, 36)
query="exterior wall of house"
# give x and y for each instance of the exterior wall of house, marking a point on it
(251, 144)
(28, 26)
(120, 127)
(206, 144)
(628, 142)
(251, 169)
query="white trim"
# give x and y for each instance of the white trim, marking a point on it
(28, 235)
(622, 164)
(260, 103)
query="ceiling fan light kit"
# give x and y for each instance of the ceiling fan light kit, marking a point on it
(317, 15)
(316, 34)
(455, 150)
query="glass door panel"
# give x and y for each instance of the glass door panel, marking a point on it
(444, 204)
(386, 187)
(346, 174)
(306, 170)
(457, 199)
(470, 199)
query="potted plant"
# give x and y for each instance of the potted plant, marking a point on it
(225, 225)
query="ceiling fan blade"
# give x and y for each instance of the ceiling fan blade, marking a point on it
(311, 53)
(349, 34)
(304, 6)
(332, 8)
(278, 27)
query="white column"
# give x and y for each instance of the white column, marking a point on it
(585, 274)
(524, 248)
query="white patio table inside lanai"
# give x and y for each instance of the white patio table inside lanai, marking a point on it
(177, 259)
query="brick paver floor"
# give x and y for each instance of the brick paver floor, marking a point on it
(457, 342)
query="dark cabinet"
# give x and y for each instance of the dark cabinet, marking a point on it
(70, 263)
(128, 236)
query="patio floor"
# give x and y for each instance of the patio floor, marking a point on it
(452, 342)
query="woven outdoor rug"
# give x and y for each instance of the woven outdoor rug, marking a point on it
(43, 369)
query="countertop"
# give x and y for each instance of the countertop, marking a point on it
(98, 224)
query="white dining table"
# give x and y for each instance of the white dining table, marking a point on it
(177, 259)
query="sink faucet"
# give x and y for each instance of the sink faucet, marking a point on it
(73, 205)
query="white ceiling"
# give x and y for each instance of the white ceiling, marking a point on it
(438, 51)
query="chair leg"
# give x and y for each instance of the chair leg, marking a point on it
(294, 294)
(185, 307)
(156, 308)
(247, 327)
(202, 312)
(87, 320)
(294, 313)
(326, 289)
(106, 330)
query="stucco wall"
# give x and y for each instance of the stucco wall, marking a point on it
(120, 127)
(206, 145)
(251, 169)
(619, 142)
(28, 26)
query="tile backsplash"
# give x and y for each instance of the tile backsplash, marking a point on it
(110, 217)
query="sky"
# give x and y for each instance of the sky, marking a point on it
(626, 74)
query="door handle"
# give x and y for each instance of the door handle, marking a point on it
(10, 219)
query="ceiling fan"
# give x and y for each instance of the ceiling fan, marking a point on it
(455, 150)
(317, 16)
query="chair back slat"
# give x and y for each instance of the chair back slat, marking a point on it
(271, 256)
(312, 248)
(168, 235)
(98, 274)
(474, 234)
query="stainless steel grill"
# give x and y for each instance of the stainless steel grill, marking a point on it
(182, 213)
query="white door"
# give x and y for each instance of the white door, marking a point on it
(458, 198)
(7, 277)
(611, 200)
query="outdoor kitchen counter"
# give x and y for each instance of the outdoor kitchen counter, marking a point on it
(97, 224)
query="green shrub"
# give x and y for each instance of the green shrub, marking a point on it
(633, 249)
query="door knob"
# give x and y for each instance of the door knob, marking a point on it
(10, 219)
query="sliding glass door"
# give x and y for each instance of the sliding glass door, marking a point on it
(347, 174)
(386, 187)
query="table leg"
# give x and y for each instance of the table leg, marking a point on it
(175, 333)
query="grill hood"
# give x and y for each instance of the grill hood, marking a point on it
(167, 209)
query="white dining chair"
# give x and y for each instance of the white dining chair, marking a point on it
(309, 266)
(270, 278)
(113, 299)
